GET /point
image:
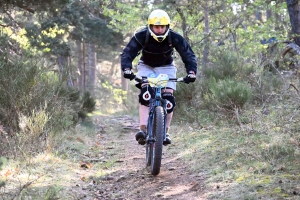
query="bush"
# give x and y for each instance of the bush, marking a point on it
(87, 105)
(88, 102)
(35, 105)
(227, 94)
(227, 64)
(264, 85)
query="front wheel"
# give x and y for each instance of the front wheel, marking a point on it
(158, 134)
(149, 153)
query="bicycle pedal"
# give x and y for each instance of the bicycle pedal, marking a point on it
(142, 141)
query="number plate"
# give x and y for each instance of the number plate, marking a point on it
(158, 80)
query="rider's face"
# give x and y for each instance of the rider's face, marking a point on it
(159, 29)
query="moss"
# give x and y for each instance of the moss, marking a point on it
(277, 190)
(285, 195)
(240, 179)
(266, 180)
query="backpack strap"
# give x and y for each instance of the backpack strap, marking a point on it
(147, 38)
(170, 39)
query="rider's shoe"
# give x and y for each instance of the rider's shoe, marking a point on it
(141, 137)
(168, 140)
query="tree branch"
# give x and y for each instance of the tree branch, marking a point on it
(11, 18)
(4, 25)
(25, 8)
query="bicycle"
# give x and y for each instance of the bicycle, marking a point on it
(156, 129)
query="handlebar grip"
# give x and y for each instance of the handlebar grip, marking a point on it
(180, 79)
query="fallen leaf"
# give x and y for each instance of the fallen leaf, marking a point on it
(89, 165)
(86, 165)
(80, 140)
(7, 173)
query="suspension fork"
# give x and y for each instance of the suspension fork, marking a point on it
(157, 101)
(150, 138)
(164, 103)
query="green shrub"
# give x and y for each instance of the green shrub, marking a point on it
(227, 94)
(35, 105)
(264, 84)
(227, 64)
(88, 102)
(222, 70)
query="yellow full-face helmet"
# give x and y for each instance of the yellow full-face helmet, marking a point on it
(158, 17)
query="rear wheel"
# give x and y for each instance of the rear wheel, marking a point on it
(158, 134)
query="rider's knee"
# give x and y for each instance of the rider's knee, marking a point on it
(146, 93)
(170, 101)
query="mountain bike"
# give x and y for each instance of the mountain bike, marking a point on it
(156, 126)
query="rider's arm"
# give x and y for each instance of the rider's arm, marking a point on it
(186, 53)
(129, 53)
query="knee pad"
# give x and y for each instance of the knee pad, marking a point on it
(170, 101)
(146, 94)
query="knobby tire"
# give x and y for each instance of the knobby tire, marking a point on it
(158, 134)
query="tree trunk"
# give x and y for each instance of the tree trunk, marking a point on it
(206, 40)
(124, 82)
(83, 68)
(80, 65)
(293, 8)
(71, 81)
(268, 13)
(92, 68)
(62, 60)
(258, 14)
(184, 26)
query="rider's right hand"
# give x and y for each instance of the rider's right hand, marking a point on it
(128, 74)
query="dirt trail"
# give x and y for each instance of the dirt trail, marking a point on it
(133, 180)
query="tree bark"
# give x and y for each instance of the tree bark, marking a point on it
(80, 65)
(92, 68)
(293, 9)
(206, 40)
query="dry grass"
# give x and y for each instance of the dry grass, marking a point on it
(78, 155)
(260, 160)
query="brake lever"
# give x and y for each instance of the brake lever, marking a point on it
(141, 79)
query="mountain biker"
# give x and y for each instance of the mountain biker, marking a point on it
(156, 57)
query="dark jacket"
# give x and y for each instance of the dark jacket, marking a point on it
(157, 54)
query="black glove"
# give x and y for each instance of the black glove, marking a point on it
(190, 78)
(128, 74)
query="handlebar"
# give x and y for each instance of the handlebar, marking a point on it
(143, 79)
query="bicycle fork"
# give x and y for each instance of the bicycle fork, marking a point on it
(157, 101)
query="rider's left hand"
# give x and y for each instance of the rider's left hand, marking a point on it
(191, 77)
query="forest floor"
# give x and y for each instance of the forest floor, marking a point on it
(131, 179)
(100, 159)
